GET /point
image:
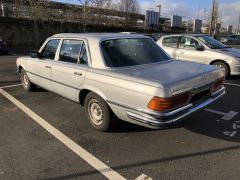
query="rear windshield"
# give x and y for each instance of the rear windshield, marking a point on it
(131, 52)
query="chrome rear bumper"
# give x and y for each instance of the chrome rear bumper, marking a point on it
(157, 119)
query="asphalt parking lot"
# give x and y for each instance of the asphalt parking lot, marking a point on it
(64, 146)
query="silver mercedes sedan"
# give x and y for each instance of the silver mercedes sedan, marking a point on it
(202, 49)
(121, 76)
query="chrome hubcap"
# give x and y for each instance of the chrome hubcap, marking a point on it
(222, 67)
(25, 80)
(95, 112)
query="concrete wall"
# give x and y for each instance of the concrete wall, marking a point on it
(20, 32)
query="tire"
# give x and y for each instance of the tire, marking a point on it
(229, 43)
(99, 113)
(224, 66)
(26, 83)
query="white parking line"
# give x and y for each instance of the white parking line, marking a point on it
(85, 155)
(226, 116)
(12, 54)
(216, 112)
(15, 85)
(232, 84)
(143, 177)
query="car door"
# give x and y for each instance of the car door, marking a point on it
(170, 45)
(191, 50)
(40, 69)
(69, 71)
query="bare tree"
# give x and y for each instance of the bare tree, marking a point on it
(36, 9)
(100, 8)
(17, 3)
(214, 17)
(129, 7)
(1, 5)
(86, 9)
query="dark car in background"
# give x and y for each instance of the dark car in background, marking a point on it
(231, 39)
(3, 47)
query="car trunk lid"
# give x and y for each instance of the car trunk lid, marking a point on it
(179, 76)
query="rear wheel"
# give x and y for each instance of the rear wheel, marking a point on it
(99, 113)
(229, 42)
(223, 66)
(26, 83)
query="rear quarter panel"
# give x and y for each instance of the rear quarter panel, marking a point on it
(121, 94)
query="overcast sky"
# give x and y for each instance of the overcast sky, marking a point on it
(229, 9)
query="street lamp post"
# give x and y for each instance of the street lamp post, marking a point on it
(61, 20)
(211, 23)
(159, 6)
(238, 24)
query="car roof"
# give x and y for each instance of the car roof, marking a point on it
(98, 36)
(93, 41)
(193, 35)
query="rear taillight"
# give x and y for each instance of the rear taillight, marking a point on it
(165, 104)
(218, 84)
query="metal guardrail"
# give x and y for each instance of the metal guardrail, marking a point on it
(62, 14)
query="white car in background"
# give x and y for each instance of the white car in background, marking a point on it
(203, 49)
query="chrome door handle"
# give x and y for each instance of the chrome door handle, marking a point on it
(78, 73)
(49, 67)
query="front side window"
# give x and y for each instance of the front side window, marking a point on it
(211, 42)
(70, 51)
(170, 41)
(49, 51)
(130, 52)
(189, 43)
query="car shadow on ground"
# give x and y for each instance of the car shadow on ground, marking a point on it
(214, 127)
(233, 77)
(38, 89)
(210, 126)
(126, 127)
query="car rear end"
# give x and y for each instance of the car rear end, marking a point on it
(188, 96)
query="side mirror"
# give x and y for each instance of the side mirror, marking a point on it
(200, 48)
(35, 54)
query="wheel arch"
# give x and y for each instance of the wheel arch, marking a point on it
(220, 60)
(84, 92)
(20, 67)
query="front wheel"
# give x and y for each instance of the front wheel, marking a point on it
(26, 83)
(223, 66)
(99, 113)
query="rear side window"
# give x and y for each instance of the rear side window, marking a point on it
(49, 51)
(70, 51)
(170, 41)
